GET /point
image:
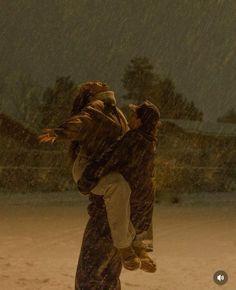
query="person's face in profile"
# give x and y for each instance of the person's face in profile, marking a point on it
(133, 121)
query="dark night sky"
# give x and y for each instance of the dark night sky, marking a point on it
(194, 42)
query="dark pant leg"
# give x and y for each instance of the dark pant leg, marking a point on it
(99, 265)
(112, 272)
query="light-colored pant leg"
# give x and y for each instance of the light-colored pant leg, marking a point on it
(116, 192)
(78, 167)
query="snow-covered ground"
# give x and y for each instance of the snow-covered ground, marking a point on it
(40, 240)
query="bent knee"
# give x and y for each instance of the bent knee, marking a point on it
(118, 180)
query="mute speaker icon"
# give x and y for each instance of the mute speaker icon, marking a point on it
(220, 277)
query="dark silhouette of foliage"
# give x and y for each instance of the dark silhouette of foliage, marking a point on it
(57, 102)
(20, 98)
(141, 82)
(138, 79)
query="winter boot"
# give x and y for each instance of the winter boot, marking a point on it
(129, 259)
(147, 264)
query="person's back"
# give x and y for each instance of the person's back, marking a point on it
(94, 127)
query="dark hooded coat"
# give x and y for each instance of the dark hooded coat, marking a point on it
(96, 128)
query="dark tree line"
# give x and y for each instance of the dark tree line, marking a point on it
(140, 82)
(37, 108)
(40, 108)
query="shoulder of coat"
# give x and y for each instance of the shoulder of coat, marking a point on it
(97, 104)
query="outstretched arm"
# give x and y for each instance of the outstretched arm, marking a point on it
(75, 128)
